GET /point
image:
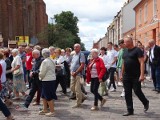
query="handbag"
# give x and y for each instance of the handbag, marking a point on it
(105, 76)
(16, 72)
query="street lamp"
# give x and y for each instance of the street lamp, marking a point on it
(52, 18)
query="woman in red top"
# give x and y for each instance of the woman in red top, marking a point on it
(3, 107)
(95, 72)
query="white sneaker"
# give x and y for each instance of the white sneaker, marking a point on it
(122, 94)
(120, 84)
(113, 90)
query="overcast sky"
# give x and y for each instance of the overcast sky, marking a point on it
(94, 16)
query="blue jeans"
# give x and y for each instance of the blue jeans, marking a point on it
(156, 76)
(4, 109)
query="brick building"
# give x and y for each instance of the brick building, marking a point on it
(148, 21)
(22, 18)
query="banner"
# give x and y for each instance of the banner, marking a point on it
(21, 40)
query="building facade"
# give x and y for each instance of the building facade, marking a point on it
(148, 21)
(102, 42)
(22, 18)
(128, 18)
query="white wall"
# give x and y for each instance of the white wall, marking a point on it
(129, 16)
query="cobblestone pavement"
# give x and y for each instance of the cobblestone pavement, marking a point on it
(112, 110)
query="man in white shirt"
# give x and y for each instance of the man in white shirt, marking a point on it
(111, 64)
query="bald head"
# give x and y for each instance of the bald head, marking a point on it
(151, 43)
(128, 41)
(77, 48)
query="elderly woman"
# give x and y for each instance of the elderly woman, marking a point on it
(3, 107)
(95, 72)
(68, 59)
(48, 78)
(4, 92)
(60, 73)
(18, 77)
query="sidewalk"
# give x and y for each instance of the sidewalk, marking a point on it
(112, 110)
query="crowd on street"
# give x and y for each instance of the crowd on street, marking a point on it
(41, 70)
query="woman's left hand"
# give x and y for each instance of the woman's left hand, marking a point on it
(12, 69)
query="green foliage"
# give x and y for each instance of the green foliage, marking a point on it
(68, 20)
(64, 33)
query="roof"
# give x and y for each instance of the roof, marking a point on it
(138, 4)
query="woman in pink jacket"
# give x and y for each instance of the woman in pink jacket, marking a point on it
(95, 72)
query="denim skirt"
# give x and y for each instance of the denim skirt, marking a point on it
(48, 90)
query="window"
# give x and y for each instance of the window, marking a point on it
(154, 8)
(140, 16)
(145, 12)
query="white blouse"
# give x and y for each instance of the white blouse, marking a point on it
(17, 61)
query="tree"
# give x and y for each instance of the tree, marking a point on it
(60, 37)
(68, 20)
(64, 33)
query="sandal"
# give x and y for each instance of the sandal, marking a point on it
(36, 103)
(42, 112)
(50, 114)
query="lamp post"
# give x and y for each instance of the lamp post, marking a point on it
(52, 18)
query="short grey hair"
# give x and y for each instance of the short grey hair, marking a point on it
(46, 53)
(15, 51)
(52, 48)
(36, 51)
(94, 50)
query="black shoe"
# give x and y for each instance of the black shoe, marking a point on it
(128, 114)
(158, 91)
(146, 107)
(154, 90)
(72, 97)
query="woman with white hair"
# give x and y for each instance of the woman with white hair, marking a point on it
(95, 72)
(18, 78)
(48, 78)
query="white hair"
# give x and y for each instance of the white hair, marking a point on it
(36, 51)
(62, 50)
(52, 48)
(46, 53)
(94, 50)
(15, 51)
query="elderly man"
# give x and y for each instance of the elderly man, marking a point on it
(36, 85)
(154, 60)
(133, 74)
(77, 66)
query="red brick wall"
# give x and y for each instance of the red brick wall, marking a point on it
(14, 19)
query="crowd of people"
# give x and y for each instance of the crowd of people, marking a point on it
(41, 71)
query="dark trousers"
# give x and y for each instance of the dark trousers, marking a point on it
(35, 87)
(28, 77)
(135, 84)
(111, 74)
(156, 76)
(4, 109)
(94, 89)
(68, 76)
(60, 80)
